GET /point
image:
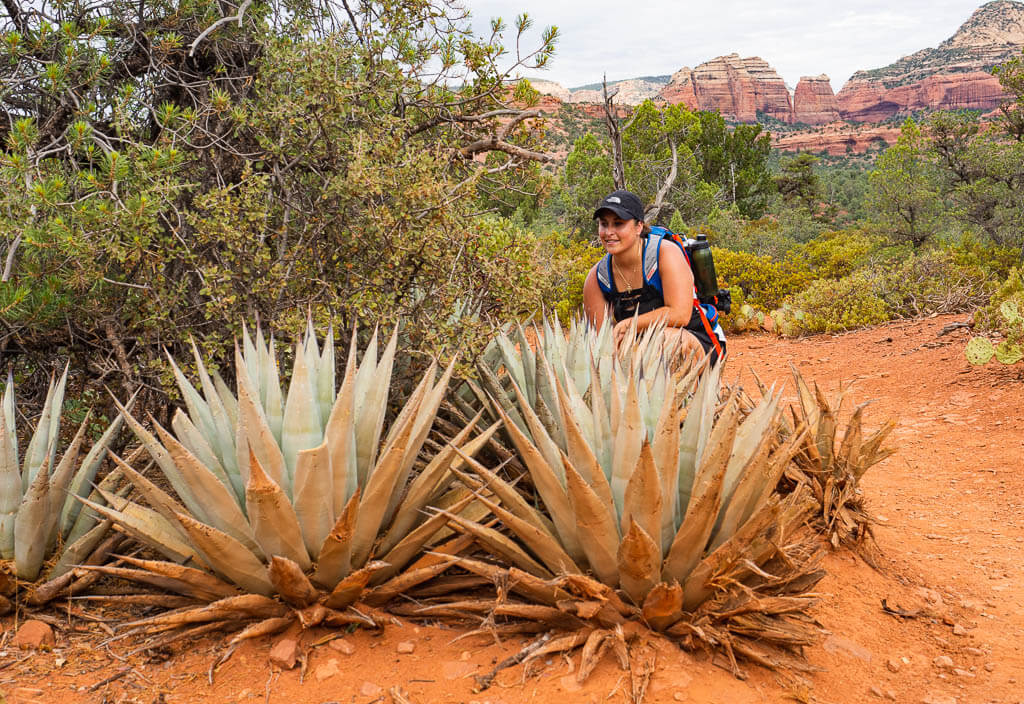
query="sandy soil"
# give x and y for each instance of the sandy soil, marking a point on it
(950, 529)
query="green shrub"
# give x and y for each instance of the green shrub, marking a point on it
(1011, 290)
(833, 305)
(931, 282)
(765, 282)
(836, 254)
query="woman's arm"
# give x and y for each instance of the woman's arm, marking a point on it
(676, 288)
(595, 307)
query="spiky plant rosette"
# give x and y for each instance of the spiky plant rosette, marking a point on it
(831, 461)
(659, 507)
(290, 495)
(40, 515)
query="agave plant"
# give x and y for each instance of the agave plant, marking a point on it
(660, 501)
(290, 494)
(40, 515)
(831, 464)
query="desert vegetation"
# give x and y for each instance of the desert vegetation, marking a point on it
(201, 202)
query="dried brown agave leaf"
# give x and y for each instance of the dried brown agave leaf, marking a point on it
(334, 561)
(184, 586)
(643, 501)
(542, 543)
(157, 498)
(146, 526)
(549, 488)
(500, 545)
(205, 585)
(579, 453)
(509, 497)
(30, 526)
(272, 517)
(291, 582)
(246, 606)
(266, 627)
(639, 561)
(227, 556)
(352, 587)
(663, 605)
(596, 527)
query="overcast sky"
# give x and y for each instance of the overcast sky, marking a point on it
(627, 39)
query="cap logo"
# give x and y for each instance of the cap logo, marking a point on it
(613, 199)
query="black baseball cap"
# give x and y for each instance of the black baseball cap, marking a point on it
(625, 204)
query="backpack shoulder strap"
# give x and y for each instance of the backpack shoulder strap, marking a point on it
(604, 274)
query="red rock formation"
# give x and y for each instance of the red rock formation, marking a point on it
(737, 88)
(814, 103)
(837, 139)
(953, 76)
(869, 101)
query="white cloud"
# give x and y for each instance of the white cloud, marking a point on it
(797, 38)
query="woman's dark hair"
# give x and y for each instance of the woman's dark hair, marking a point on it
(646, 231)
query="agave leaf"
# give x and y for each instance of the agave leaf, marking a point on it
(223, 440)
(692, 537)
(529, 358)
(663, 605)
(62, 477)
(291, 583)
(157, 498)
(602, 424)
(325, 377)
(549, 488)
(301, 425)
(596, 527)
(258, 432)
(510, 498)
(352, 587)
(334, 561)
(86, 474)
(269, 385)
(579, 453)
(426, 413)
(499, 544)
(639, 562)
(272, 518)
(665, 452)
(426, 483)
(76, 553)
(379, 489)
(87, 520)
(498, 397)
(189, 436)
(540, 438)
(30, 527)
(513, 362)
(372, 384)
(314, 501)
(39, 447)
(163, 459)
(227, 398)
(753, 482)
(244, 606)
(693, 437)
(146, 526)
(340, 436)
(412, 542)
(220, 506)
(750, 440)
(10, 476)
(642, 502)
(227, 556)
(629, 439)
(542, 543)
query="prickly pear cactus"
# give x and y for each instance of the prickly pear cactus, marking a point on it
(979, 351)
(1008, 353)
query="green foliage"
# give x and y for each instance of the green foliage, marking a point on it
(764, 281)
(1011, 290)
(569, 261)
(905, 191)
(1009, 319)
(838, 253)
(736, 160)
(289, 161)
(833, 305)
(798, 183)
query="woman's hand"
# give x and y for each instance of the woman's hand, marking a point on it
(623, 332)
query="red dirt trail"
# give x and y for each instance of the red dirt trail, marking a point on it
(950, 509)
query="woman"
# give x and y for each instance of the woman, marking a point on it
(641, 279)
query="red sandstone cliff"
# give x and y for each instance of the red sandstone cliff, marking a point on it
(814, 103)
(953, 76)
(737, 88)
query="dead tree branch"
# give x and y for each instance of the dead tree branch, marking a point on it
(223, 20)
(615, 134)
(659, 201)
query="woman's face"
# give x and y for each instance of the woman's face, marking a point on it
(617, 235)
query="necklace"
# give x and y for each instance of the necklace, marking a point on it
(636, 271)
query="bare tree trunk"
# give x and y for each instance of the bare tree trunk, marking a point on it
(618, 170)
(659, 201)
